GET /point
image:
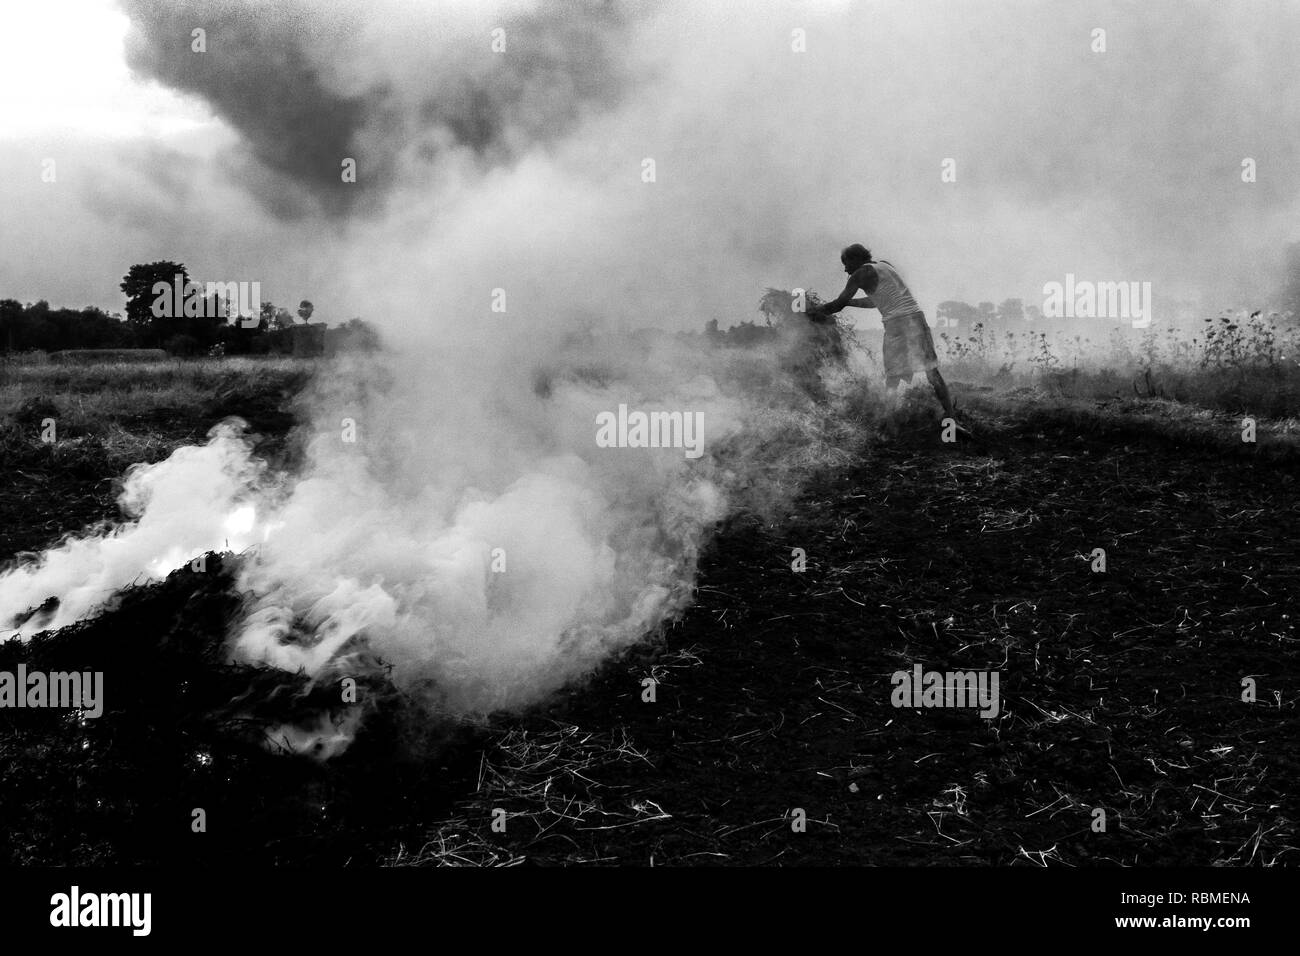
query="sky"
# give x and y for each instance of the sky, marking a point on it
(523, 169)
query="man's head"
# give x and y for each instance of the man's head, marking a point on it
(854, 257)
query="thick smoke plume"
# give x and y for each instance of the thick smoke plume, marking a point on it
(390, 85)
(1115, 165)
(1122, 164)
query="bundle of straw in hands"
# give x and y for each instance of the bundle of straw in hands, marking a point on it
(779, 305)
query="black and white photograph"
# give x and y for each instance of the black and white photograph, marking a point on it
(585, 437)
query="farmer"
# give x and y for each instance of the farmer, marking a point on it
(909, 348)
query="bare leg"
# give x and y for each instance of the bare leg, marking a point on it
(941, 391)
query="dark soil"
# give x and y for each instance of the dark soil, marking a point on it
(1120, 690)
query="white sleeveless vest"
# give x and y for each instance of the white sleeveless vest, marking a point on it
(892, 296)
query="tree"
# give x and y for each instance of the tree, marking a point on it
(138, 284)
(274, 317)
(37, 326)
(954, 314)
(204, 328)
(361, 334)
(1012, 312)
(11, 317)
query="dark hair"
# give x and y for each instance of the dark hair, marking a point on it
(855, 253)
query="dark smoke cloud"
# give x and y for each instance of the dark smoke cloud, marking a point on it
(284, 75)
(480, 170)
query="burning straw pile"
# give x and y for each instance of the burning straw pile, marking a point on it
(182, 727)
(812, 343)
(375, 553)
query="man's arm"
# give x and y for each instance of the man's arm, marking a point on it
(864, 279)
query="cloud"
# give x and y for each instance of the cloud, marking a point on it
(522, 169)
(309, 84)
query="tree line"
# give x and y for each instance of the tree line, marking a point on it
(213, 328)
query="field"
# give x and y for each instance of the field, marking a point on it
(1122, 689)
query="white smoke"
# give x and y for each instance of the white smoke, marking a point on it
(487, 545)
(458, 519)
(196, 501)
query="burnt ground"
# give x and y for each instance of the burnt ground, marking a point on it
(1120, 690)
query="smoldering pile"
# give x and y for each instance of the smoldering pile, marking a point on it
(812, 344)
(185, 728)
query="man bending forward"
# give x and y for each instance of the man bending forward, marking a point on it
(909, 347)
